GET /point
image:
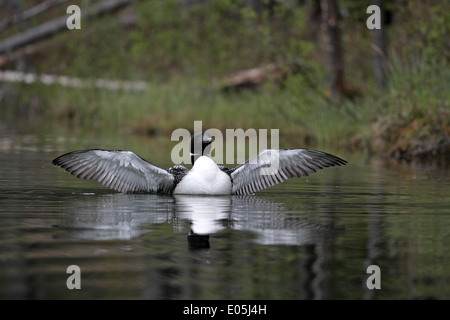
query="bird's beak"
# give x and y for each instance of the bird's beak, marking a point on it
(211, 139)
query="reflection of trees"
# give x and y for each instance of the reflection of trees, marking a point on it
(374, 230)
(375, 234)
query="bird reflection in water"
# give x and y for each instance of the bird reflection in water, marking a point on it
(205, 213)
(127, 216)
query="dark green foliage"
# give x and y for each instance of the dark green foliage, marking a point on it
(181, 47)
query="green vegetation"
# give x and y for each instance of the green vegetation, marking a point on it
(180, 49)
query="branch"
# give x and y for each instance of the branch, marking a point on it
(49, 28)
(30, 13)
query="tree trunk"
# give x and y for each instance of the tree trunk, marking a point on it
(330, 17)
(379, 48)
(314, 21)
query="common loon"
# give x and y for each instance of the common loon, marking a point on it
(126, 172)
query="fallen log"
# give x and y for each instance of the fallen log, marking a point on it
(276, 73)
(251, 78)
(72, 82)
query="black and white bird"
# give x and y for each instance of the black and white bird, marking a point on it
(126, 172)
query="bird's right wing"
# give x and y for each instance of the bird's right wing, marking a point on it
(123, 171)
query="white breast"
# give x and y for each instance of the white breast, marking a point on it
(205, 177)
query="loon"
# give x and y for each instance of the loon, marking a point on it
(126, 172)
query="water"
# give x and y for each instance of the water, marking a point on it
(309, 238)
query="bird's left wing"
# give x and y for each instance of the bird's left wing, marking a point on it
(271, 167)
(123, 171)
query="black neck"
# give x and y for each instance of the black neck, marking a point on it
(199, 147)
(194, 157)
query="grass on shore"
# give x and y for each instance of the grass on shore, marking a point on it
(415, 107)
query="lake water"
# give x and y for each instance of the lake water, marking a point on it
(309, 238)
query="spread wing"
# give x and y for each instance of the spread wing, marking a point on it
(123, 171)
(271, 167)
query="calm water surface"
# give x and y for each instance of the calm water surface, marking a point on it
(309, 238)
